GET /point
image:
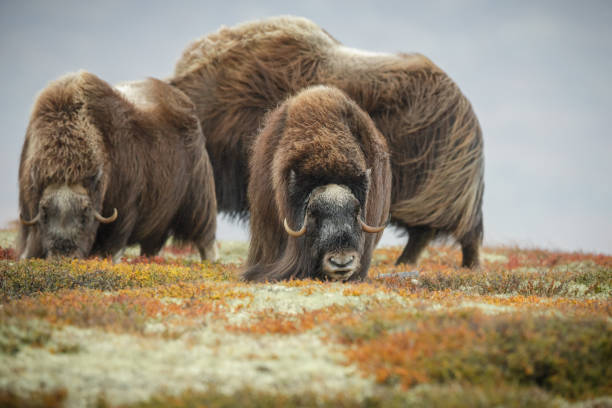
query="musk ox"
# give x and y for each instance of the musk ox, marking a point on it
(102, 168)
(236, 75)
(320, 187)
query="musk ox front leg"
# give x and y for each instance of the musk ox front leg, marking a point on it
(151, 247)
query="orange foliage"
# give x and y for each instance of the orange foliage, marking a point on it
(8, 254)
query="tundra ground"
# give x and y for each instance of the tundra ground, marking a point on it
(530, 328)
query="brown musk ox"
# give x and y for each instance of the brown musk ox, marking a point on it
(102, 168)
(319, 192)
(236, 75)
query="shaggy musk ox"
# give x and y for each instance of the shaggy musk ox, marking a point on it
(102, 168)
(320, 186)
(236, 75)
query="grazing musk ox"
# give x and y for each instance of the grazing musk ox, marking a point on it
(135, 152)
(320, 177)
(236, 75)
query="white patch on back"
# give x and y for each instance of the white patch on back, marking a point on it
(355, 52)
(136, 93)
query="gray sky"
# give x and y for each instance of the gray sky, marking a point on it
(537, 74)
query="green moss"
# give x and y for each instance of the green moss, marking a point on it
(580, 280)
(572, 358)
(24, 278)
(84, 308)
(569, 357)
(368, 330)
(597, 279)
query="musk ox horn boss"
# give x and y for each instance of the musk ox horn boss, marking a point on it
(102, 168)
(319, 191)
(236, 75)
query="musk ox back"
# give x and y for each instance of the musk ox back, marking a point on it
(103, 168)
(319, 190)
(236, 75)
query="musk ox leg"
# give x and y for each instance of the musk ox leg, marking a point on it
(30, 245)
(117, 257)
(209, 251)
(152, 247)
(471, 258)
(418, 238)
(470, 247)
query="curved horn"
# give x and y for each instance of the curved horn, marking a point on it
(103, 220)
(373, 230)
(293, 233)
(31, 222)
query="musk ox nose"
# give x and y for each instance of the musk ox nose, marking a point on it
(64, 246)
(341, 260)
(340, 264)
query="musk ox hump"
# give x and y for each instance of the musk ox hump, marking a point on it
(164, 102)
(275, 32)
(64, 146)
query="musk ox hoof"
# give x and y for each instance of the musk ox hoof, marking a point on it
(211, 252)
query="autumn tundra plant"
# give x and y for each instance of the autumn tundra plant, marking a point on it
(236, 75)
(320, 189)
(102, 168)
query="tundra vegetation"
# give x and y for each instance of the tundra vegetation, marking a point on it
(531, 328)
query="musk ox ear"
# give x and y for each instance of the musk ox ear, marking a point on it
(298, 189)
(33, 177)
(292, 182)
(298, 192)
(295, 190)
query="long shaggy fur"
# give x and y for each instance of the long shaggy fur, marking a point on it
(326, 138)
(236, 75)
(142, 152)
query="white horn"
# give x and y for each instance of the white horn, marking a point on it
(104, 220)
(293, 233)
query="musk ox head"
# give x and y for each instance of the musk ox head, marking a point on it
(333, 229)
(67, 221)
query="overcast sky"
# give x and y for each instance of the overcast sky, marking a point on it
(537, 74)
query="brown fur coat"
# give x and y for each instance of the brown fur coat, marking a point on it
(138, 148)
(236, 75)
(325, 138)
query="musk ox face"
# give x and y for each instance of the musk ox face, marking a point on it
(67, 221)
(332, 231)
(333, 234)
